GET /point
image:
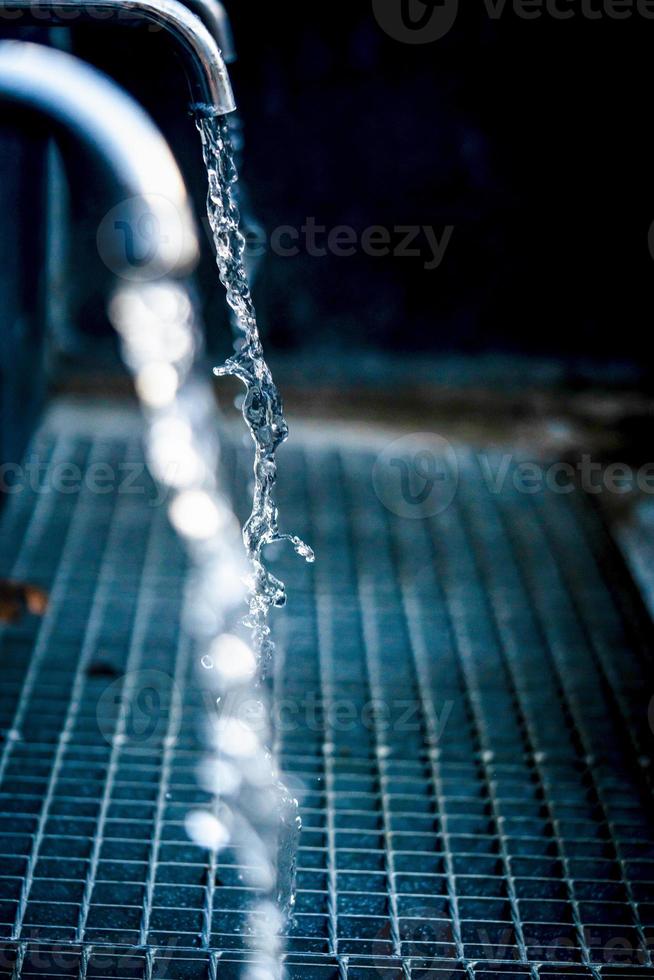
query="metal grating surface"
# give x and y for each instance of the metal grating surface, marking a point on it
(462, 705)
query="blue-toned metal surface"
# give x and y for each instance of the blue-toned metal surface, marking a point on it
(462, 705)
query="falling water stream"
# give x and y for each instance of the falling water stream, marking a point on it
(263, 413)
(262, 406)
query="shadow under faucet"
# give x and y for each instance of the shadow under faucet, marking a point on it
(195, 36)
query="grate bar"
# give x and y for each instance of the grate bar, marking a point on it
(501, 612)
(456, 691)
(136, 651)
(558, 656)
(77, 683)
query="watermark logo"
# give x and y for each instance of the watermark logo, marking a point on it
(416, 21)
(142, 707)
(141, 239)
(426, 21)
(416, 476)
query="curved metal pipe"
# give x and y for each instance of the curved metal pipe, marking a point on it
(146, 183)
(215, 18)
(211, 90)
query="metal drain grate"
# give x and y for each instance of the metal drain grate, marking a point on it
(462, 707)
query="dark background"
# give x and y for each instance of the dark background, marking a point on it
(531, 138)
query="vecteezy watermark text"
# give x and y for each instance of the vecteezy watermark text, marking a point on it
(427, 935)
(316, 240)
(417, 476)
(65, 13)
(587, 474)
(137, 707)
(66, 478)
(142, 238)
(426, 21)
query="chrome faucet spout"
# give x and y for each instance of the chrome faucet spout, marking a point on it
(206, 71)
(145, 182)
(215, 18)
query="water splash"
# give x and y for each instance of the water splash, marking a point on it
(262, 406)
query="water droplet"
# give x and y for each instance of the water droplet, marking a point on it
(304, 551)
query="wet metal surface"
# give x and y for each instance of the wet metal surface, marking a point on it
(462, 706)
